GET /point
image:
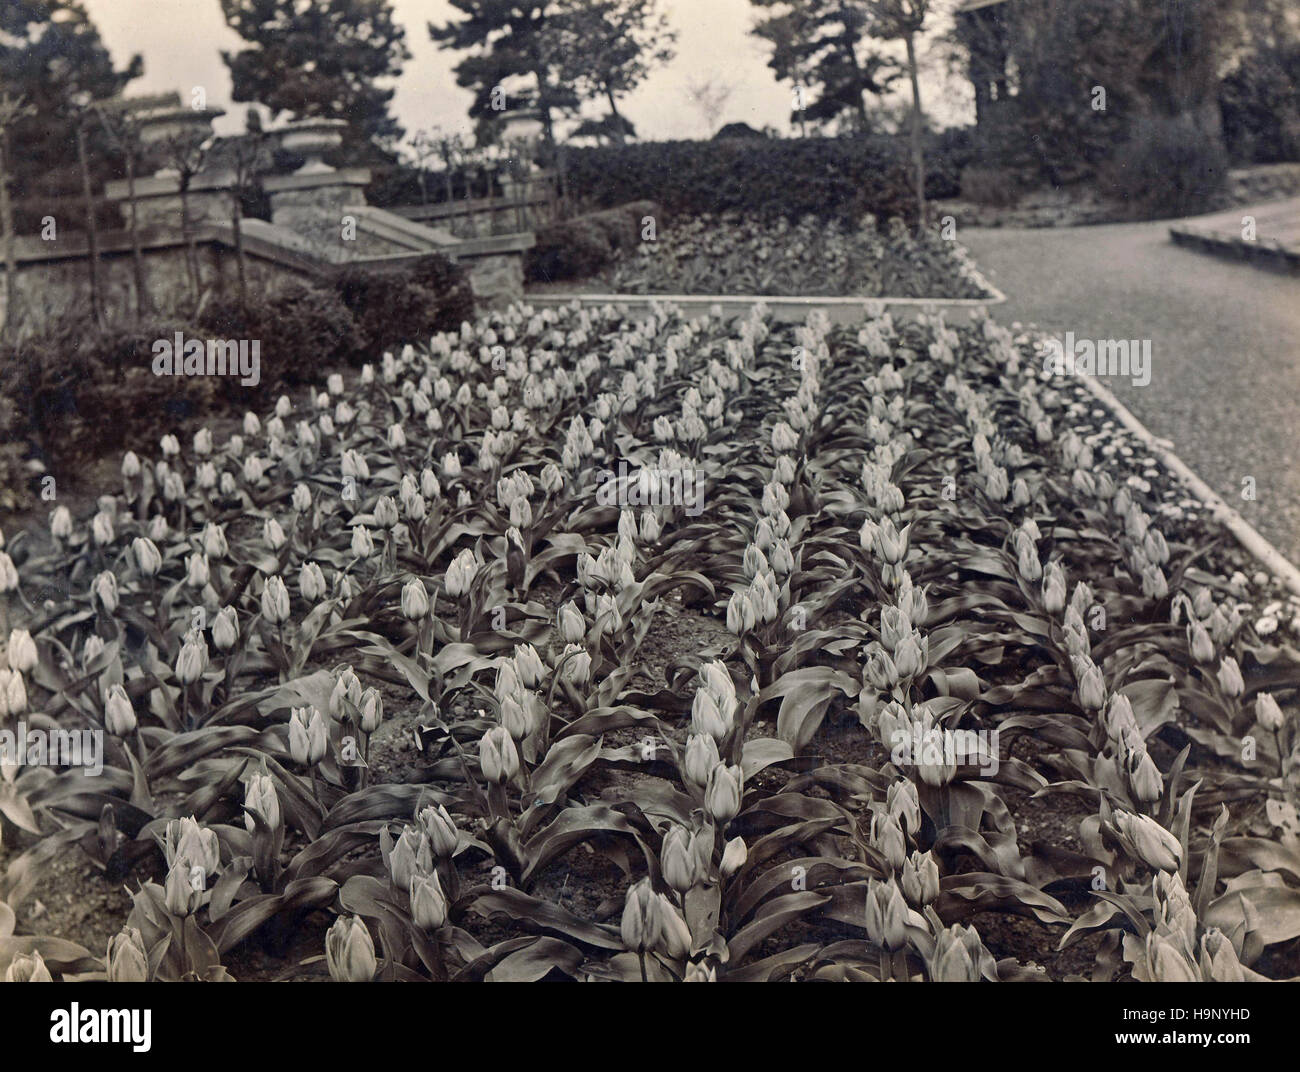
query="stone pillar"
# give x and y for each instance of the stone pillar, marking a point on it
(314, 204)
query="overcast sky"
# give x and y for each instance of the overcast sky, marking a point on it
(181, 41)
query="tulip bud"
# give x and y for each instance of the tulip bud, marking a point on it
(572, 628)
(148, 559)
(441, 831)
(528, 666)
(1219, 961)
(886, 921)
(1229, 675)
(273, 534)
(275, 601)
(119, 715)
(677, 860)
(179, 889)
(350, 951)
(1199, 643)
(920, 879)
(192, 660)
(21, 651)
(415, 600)
(126, 959)
(428, 902)
(260, 796)
(641, 925)
(346, 695)
(886, 837)
(734, 856)
(498, 757)
(700, 758)
(1092, 688)
(722, 794)
(1153, 844)
(1268, 713)
(225, 629)
(28, 968)
(372, 710)
(951, 963)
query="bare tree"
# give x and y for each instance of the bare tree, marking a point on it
(185, 152)
(710, 96)
(249, 157)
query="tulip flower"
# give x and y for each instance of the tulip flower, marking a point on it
(951, 963)
(642, 923)
(1267, 712)
(311, 582)
(350, 951)
(734, 856)
(1229, 675)
(528, 665)
(126, 959)
(920, 879)
(119, 715)
(498, 757)
(192, 660)
(428, 902)
(722, 793)
(363, 544)
(677, 860)
(440, 830)
(675, 935)
(179, 892)
(706, 718)
(372, 710)
(460, 574)
(148, 559)
(346, 694)
(886, 922)
(1219, 961)
(273, 534)
(225, 629)
(275, 601)
(214, 541)
(1199, 643)
(21, 651)
(260, 796)
(1092, 688)
(415, 600)
(886, 837)
(411, 855)
(28, 968)
(1152, 843)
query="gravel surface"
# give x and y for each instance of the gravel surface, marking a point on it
(1225, 339)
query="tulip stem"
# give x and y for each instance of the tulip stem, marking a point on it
(886, 972)
(641, 957)
(1281, 768)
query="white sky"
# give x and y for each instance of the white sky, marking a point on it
(181, 41)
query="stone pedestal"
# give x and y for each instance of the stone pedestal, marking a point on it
(158, 200)
(316, 204)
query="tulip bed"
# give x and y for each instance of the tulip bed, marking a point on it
(452, 672)
(733, 254)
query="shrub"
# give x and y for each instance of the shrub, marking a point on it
(1261, 120)
(392, 308)
(990, 185)
(300, 328)
(1169, 167)
(830, 178)
(67, 377)
(583, 245)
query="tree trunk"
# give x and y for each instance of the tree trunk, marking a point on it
(11, 255)
(241, 275)
(616, 116)
(142, 301)
(918, 154)
(92, 231)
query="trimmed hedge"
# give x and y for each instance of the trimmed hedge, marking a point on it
(830, 178)
(582, 246)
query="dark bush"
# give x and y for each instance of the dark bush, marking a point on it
(393, 308)
(64, 380)
(830, 178)
(1261, 115)
(1169, 167)
(994, 186)
(301, 328)
(583, 245)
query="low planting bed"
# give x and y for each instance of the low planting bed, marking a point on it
(886, 660)
(735, 255)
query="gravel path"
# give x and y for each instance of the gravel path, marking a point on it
(1225, 339)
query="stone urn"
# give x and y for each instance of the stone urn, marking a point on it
(175, 127)
(312, 139)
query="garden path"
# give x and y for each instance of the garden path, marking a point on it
(1225, 375)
